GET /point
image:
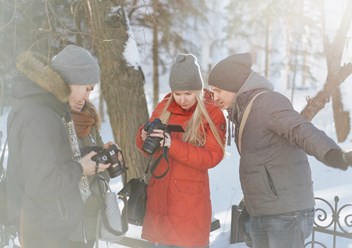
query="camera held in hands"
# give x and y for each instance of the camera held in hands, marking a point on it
(112, 155)
(151, 144)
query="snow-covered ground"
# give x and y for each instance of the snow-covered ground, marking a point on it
(224, 179)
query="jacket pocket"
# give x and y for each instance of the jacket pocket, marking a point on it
(289, 176)
(271, 183)
(185, 196)
(258, 184)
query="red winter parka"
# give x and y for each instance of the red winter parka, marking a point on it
(178, 205)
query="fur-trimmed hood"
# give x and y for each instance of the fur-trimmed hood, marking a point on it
(37, 69)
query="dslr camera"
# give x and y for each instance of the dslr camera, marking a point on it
(151, 144)
(106, 156)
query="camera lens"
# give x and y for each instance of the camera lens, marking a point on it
(151, 144)
(115, 170)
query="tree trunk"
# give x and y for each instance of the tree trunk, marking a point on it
(336, 73)
(341, 117)
(121, 83)
(155, 61)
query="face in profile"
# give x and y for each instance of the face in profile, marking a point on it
(79, 95)
(223, 98)
(186, 99)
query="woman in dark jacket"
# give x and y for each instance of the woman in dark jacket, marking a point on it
(87, 124)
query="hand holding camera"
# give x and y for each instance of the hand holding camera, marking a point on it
(157, 135)
(110, 156)
(89, 166)
(165, 138)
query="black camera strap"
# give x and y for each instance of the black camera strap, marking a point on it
(152, 167)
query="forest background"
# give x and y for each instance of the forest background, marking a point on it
(298, 45)
(302, 46)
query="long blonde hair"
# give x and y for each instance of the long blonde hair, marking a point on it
(195, 132)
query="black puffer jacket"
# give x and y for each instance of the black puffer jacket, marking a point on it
(42, 178)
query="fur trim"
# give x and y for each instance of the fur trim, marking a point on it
(34, 67)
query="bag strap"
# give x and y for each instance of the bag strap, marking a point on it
(103, 209)
(244, 119)
(2, 171)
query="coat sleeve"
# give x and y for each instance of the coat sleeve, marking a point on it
(204, 157)
(286, 122)
(46, 161)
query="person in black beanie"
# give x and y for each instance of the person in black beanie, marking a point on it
(46, 185)
(273, 141)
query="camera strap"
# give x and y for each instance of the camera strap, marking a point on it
(152, 167)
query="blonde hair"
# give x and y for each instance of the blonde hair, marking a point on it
(195, 132)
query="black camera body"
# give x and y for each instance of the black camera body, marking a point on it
(106, 156)
(151, 144)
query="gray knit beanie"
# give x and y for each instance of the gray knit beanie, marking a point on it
(76, 65)
(185, 73)
(230, 73)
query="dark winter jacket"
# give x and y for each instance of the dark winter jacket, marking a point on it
(178, 205)
(274, 169)
(42, 177)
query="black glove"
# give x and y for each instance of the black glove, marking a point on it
(338, 159)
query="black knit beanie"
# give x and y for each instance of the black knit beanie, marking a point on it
(230, 73)
(185, 73)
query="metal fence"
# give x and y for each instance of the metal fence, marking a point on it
(333, 221)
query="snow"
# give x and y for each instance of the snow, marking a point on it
(131, 53)
(224, 178)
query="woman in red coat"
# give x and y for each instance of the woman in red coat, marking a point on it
(178, 210)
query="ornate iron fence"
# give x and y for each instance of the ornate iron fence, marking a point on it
(331, 220)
